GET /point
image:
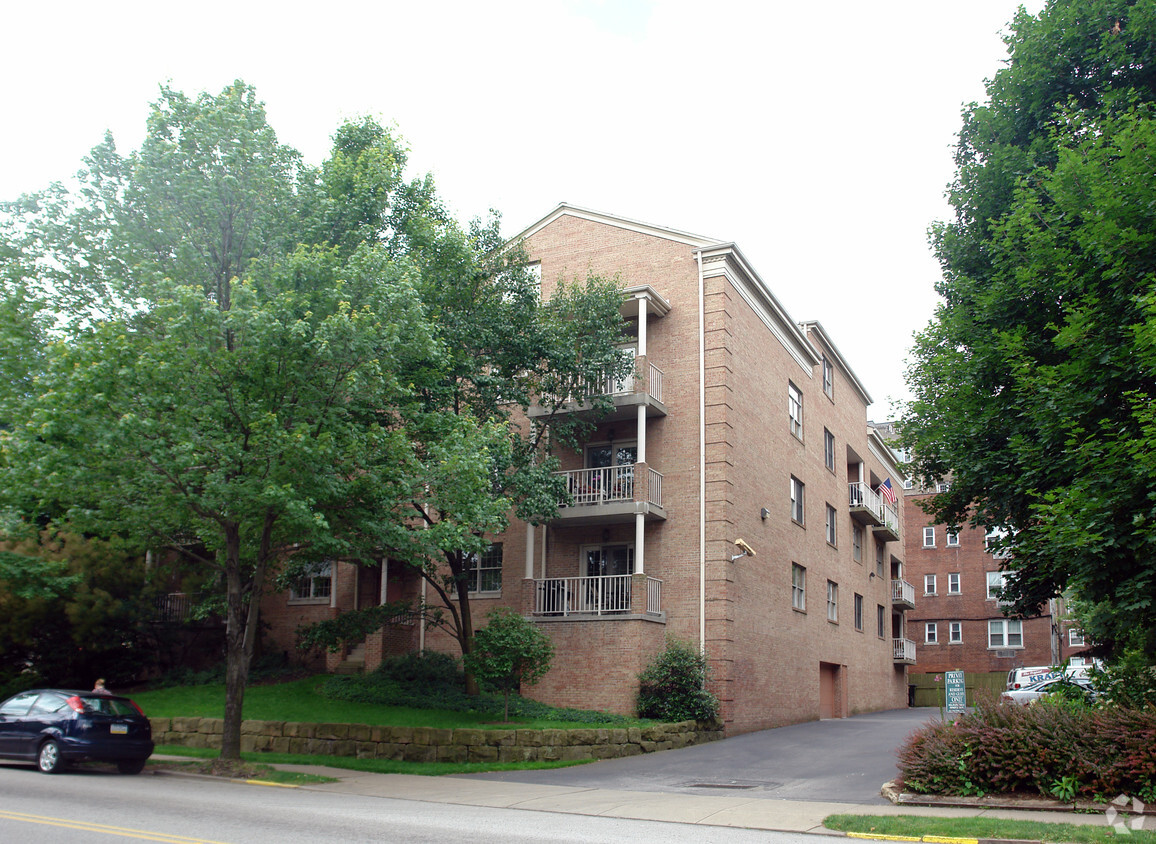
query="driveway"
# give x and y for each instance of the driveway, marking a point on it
(843, 760)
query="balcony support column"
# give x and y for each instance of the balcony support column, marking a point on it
(641, 437)
(529, 551)
(639, 536)
(641, 326)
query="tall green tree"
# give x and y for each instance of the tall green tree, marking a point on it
(1034, 384)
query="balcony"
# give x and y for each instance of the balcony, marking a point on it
(612, 495)
(902, 594)
(869, 508)
(606, 595)
(644, 388)
(903, 651)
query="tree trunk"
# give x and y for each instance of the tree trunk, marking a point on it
(236, 653)
(466, 634)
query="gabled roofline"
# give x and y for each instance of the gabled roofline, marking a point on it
(566, 209)
(817, 327)
(763, 302)
(883, 453)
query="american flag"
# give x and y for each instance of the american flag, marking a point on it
(888, 492)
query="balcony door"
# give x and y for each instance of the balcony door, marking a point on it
(611, 467)
(605, 560)
(608, 593)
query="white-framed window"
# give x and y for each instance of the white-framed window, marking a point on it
(832, 601)
(829, 449)
(858, 612)
(881, 621)
(484, 571)
(795, 409)
(878, 558)
(1075, 637)
(931, 633)
(828, 378)
(798, 587)
(953, 585)
(797, 493)
(857, 542)
(929, 537)
(994, 542)
(943, 486)
(955, 632)
(314, 584)
(832, 516)
(908, 483)
(952, 539)
(995, 581)
(1005, 633)
(929, 584)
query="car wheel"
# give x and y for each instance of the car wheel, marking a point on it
(131, 766)
(49, 759)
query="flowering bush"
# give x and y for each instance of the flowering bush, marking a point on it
(1055, 747)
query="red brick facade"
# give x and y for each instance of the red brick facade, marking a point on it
(953, 610)
(714, 456)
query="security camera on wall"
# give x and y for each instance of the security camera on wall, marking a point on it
(746, 549)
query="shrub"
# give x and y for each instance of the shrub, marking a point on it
(672, 688)
(1055, 746)
(510, 651)
(1128, 681)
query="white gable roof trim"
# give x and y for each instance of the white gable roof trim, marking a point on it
(565, 209)
(814, 325)
(726, 260)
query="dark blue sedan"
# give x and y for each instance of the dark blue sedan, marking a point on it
(53, 727)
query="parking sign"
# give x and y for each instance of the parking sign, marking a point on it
(956, 691)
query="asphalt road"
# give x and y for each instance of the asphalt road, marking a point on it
(843, 760)
(95, 805)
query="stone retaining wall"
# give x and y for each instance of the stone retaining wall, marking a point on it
(427, 744)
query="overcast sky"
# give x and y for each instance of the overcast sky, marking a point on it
(818, 137)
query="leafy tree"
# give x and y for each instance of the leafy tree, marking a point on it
(1034, 384)
(673, 686)
(510, 651)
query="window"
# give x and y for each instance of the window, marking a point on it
(832, 601)
(881, 620)
(929, 537)
(953, 583)
(828, 378)
(929, 584)
(798, 587)
(878, 559)
(908, 483)
(931, 633)
(955, 632)
(484, 574)
(314, 584)
(1005, 633)
(797, 491)
(858, 612)
(857, 542)
(942, 486)
(994, 585)
(795, 409)
(1075, 637)
(832, 515)
(953, 539)
(829, 449)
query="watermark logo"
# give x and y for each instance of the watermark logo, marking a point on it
(1115, 819)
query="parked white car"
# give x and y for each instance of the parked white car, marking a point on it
(1030, 694)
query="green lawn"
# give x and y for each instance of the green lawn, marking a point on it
(1055, 833)
(297, 701)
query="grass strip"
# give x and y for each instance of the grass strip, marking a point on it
(373, 766)
(919, 826)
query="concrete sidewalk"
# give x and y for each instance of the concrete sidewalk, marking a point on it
(734, 811)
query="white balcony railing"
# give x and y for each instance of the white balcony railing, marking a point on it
(600, 595)
(610, 484)
(862, 496)
(612, 387)
(903, 650)
(902, 592)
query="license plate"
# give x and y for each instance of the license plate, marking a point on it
(118, 729)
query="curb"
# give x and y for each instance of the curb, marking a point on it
(941, 839)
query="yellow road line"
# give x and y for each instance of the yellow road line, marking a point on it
(86, 826)
(270, 783)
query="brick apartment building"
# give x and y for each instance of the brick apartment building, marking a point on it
(740, 424)
(958, 621)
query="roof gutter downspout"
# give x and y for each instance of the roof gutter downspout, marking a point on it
(701, 458)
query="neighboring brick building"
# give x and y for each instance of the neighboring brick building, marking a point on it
(740, 424)
(958, 621)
